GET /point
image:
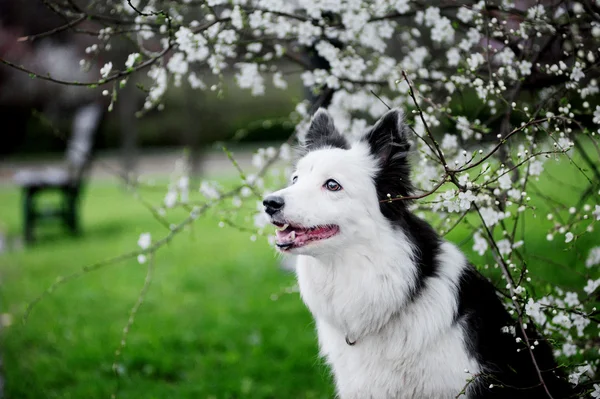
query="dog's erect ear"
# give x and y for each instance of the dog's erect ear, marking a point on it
(388, 142)
(322, 133)
(388, 138)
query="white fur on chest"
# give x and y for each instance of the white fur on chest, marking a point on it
(404, 349)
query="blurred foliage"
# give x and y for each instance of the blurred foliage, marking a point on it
(202, 114)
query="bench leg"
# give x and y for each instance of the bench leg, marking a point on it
(71, 214)
(29, 214)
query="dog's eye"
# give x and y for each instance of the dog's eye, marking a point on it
(294, 179)
(332, 185)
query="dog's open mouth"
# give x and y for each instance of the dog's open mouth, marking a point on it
(289, 236)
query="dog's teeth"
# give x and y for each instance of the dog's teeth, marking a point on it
(293, 235)
(285, 226)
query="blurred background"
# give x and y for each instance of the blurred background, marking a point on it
(192, 118)
(207, 328)
(219, 316)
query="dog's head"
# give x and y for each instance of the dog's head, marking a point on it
(336, 192)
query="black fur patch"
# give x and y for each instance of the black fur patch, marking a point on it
(512, 373)
(323, 134)
(389, 144)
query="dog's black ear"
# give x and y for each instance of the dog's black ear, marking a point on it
(388, 139)
(388, 142)
(322, 133)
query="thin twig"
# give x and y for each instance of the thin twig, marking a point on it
(511, 288)
(54, 31)
(132, 314)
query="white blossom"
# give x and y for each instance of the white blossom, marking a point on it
(131, 60)
(249, 77)
(593, 258)
(506, 56)
(591, 286)
(209, 190)
(577, 73)
(536, 11)
(449, 142)
(159, 76)
(258, 159)
(465, 199)
(178, 64)
(504, 246)
(571, 299)
(170, 199)
(354, 20)
(261, 219)
(580, 323)
(463, 125)
(569, 237)
(464, 14)
(285, 152)
(254, 47)
(236, 18)
(453, 56)
(279, 81)
(402, 6)
(475, 60)
(525, 67)
(105, 70)
(536, 168)
(596, 393)
(505, 182)
(472, 38)
(534, 310)
(597, 115)
(442, 31)
(490, 216)
(509, 330)
(195, 82)
(194, 45)
(514, 193)
(569, 349)
(564, 143)
(245, 192)
(480, 246)
(145, 240)
(575, 376)
(449, 201)
(306, 32)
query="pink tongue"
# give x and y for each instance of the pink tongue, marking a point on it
(301, 236)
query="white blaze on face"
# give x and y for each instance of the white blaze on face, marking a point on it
(332, 201)
(309, 204)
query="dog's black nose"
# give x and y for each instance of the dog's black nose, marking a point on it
(273, 204)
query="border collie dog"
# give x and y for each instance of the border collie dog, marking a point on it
(400, 313)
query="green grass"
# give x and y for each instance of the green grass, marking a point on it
(209, 326)
(216, 322)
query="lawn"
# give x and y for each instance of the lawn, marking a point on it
(218, 320)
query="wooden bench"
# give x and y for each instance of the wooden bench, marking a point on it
(67, 180)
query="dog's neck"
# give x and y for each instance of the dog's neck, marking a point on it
(360, 287)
